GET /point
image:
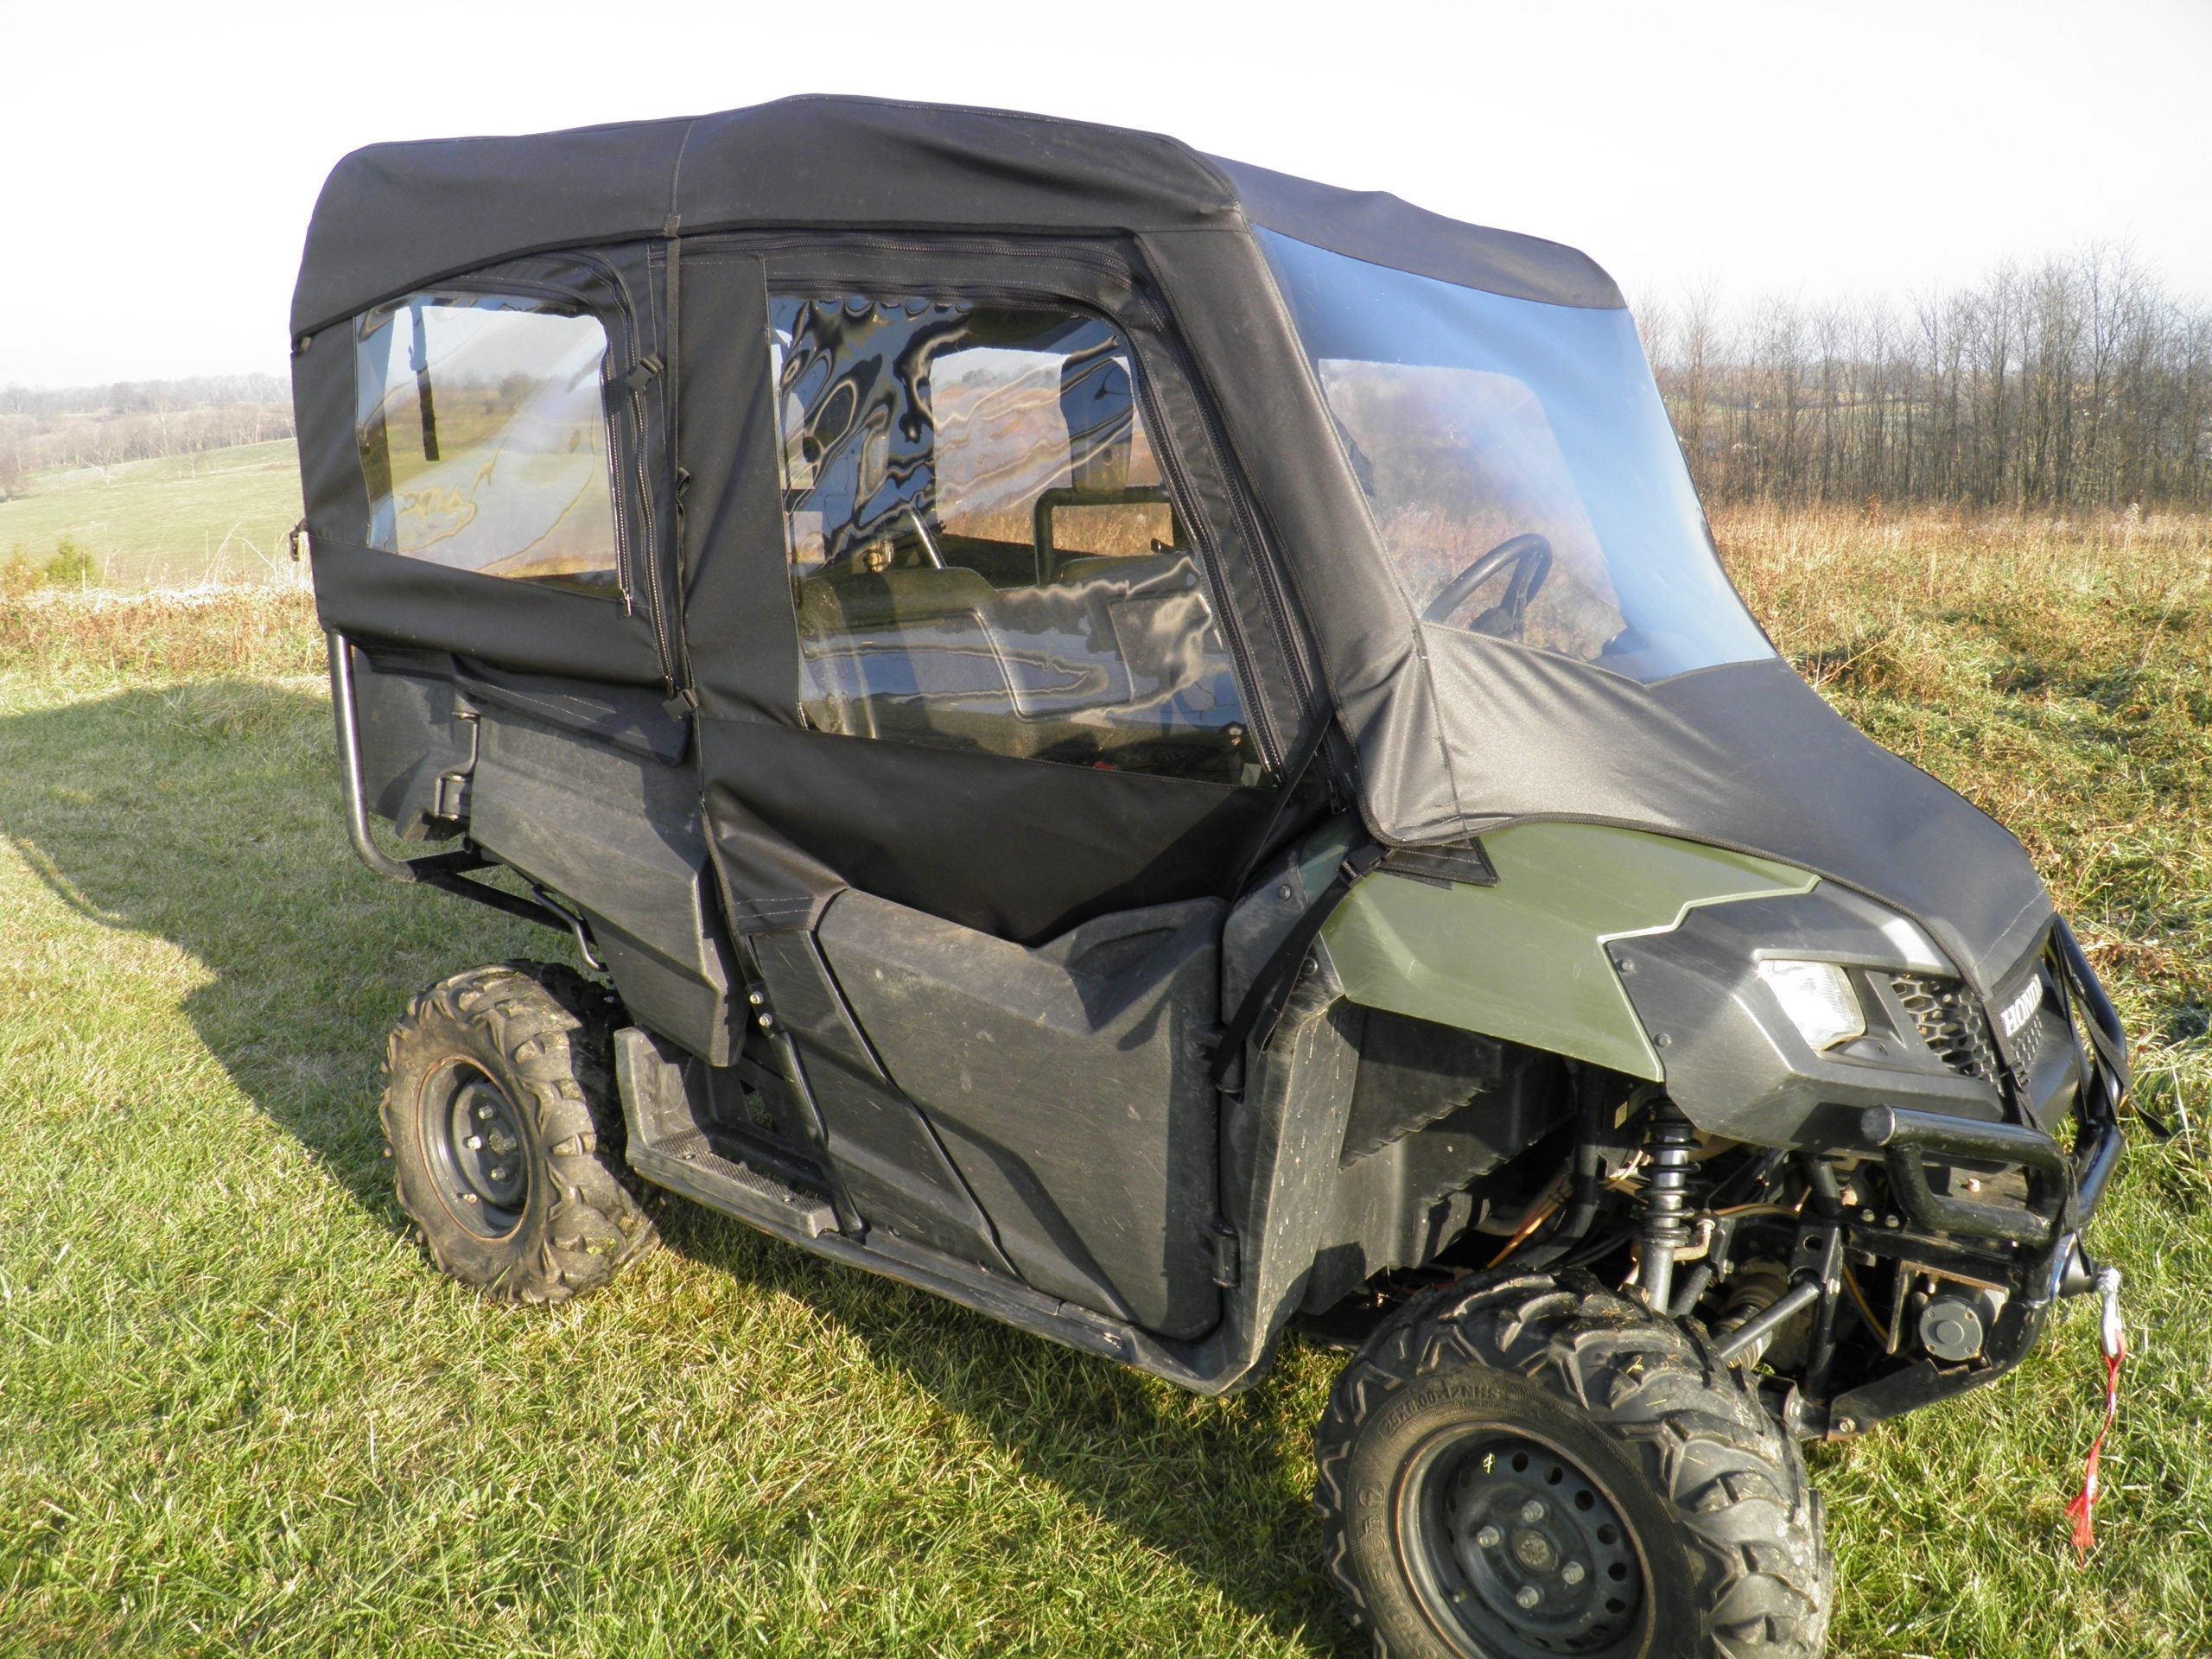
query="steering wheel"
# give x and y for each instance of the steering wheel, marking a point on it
(1530, 555)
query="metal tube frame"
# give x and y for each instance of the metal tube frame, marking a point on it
(444, 871)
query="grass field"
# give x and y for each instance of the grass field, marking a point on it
(176, 521)
(238, 1412)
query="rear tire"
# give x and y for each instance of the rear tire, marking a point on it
(1533, 1466)
(505, 1135)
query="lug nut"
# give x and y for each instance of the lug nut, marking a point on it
(474, 1143)
(1533, 1511)
(499, 1174)
(483, 1112)
(1572, 1573)
(467, 1197)
(1527, 1595)
(1488, 1537)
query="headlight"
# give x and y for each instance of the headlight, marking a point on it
(1818, 998)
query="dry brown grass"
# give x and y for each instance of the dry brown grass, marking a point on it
(2056, 671)
(65, 635)
(1818, 577)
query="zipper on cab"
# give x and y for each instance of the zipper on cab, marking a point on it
(645, 369)
(1292, 643)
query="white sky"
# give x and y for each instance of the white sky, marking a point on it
(160, 160)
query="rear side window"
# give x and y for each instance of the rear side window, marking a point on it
(484, 439)
(984, 552)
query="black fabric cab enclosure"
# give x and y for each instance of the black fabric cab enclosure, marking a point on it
(935, 531)
(1443, 729)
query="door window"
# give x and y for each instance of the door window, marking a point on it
(484, 439)
(984, 552)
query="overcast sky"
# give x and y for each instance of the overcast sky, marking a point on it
(160, 160)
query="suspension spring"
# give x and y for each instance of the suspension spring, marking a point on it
(1668, 1143)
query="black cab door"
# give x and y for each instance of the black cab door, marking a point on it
(981, 756)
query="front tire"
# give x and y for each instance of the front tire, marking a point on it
(505, 1135)
(1532, 1466)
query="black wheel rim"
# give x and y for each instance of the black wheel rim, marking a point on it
(474, 1138)
(1514, 1545)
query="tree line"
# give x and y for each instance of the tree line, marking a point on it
(2077, 384)
(136, 420)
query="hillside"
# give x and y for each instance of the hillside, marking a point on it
(176, 521)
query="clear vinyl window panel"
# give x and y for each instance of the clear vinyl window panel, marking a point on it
(484, 438)
(1522, 474)
(984, 552)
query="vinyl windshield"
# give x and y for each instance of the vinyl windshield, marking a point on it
(1519, 464)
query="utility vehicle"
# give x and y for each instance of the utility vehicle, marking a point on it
(1161, 750)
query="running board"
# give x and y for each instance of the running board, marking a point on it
(687, 1163)
(667, 1145)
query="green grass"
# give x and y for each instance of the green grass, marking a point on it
(183, 519)
(238, 1412)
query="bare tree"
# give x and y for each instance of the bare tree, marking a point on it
(2077, 384)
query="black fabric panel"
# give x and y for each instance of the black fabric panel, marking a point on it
(858, 161)
(1747, 756)
(391, 216)
(1022, 849)
(629, 717)
(518, 625)
(1279, 657)
(513, 623)
(635, 298)
(1376, 226)
(744, 639)
(332, 489)
(1371, 653)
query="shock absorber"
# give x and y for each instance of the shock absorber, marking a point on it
(1667, 1141)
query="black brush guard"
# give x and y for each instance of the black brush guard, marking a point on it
(2066, 1186)
(2039, 1241)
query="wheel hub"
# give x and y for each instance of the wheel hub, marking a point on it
(1524, 1551)
(476, 1150)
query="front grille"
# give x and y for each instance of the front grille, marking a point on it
(1950, 1020)
(2027, 1043)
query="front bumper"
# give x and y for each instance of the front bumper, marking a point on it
(1995, 1125)
(2064, 1185)
(2034, 1247)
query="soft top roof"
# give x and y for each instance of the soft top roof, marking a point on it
(393, 217)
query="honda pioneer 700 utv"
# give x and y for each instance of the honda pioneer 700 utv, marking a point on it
(1161, 750)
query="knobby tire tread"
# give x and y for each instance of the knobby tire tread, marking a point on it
(547, 1030)
(1732, 1477)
